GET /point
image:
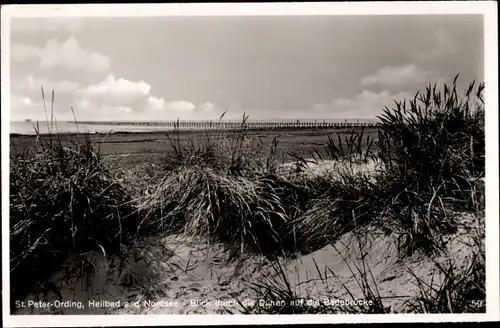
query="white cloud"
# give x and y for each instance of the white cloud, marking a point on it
(396, 76)
(69, 54)
(367, 104)
(110, 99)
(118, 98)
(116, 91)
(155, 104)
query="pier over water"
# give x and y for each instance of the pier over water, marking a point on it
(289, 124)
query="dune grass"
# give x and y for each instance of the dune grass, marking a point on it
(63, 201)
(433, 148)
(428, 165)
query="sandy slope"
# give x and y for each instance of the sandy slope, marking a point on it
(391, 276)
(187, 276)
(167, 270)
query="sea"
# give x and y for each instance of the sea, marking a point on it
(28, 127)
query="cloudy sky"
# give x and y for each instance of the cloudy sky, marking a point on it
(162, 68)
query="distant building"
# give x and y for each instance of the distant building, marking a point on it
(28, 120)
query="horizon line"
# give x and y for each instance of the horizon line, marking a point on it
(208, 120)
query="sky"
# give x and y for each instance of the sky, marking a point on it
(192, 68)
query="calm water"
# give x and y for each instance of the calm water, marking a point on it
(21, 127)
(65, 127)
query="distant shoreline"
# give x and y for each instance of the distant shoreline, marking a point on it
(148, 127)
(104, 122)
(187, 131)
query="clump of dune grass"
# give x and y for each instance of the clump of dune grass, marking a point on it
(63, 201)
(249, 214)
(340, 203)
(228, 152)
(353, 148)
(200, 201)
(433, 150)
(436, 140)
(346, 189)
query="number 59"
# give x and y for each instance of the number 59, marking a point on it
(477, 303)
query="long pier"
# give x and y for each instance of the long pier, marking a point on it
(297, 124)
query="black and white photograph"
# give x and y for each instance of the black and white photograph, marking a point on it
(251, 159)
